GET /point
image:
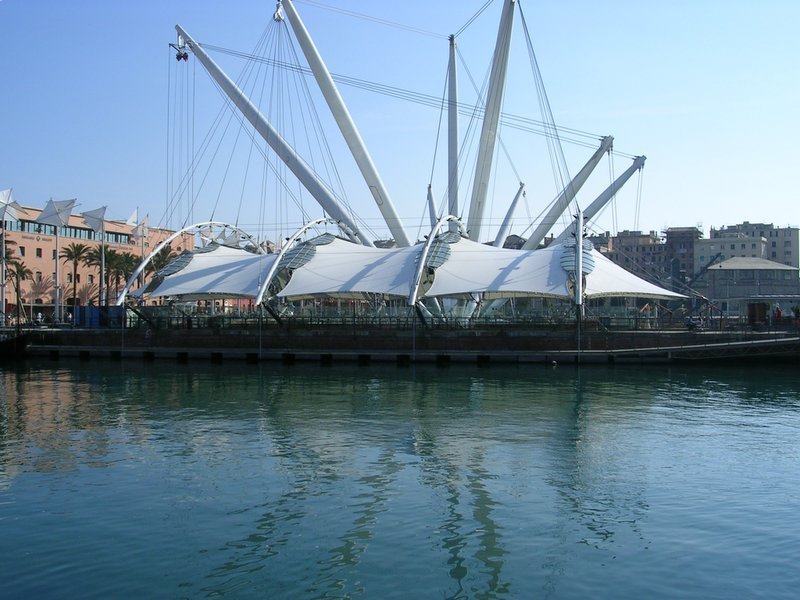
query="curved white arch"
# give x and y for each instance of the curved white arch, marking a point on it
(124, 293)
(289, 244)
(423, 257)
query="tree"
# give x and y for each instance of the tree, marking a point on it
(41, 288)
(87, 293)
(125, 264)
(74, 253)
(8, 259)
(18, 272)
(94, 258)
(162, 258)
(119, 267)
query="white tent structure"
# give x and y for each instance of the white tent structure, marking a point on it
(447, 265)
(345, 270)
(501, 273)
(327, 266)
(214, 270)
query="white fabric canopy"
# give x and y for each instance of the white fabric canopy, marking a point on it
(225, 271)
(609, 279)
(498, 272)
(344, 269)
(56, 212)
(477, 268)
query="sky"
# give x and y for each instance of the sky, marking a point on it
(708, 90)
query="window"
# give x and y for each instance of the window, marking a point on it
(38, 275)
(787, 244)
(774, 244)
(91, 278)
(54, 254)
(77, 277)
(733, 246)
(38, 253)
(69, 277)
(22, 250)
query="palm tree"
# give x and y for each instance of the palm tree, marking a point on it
(94, 258)
(41, 288)
(162, 258)
(8, 259)
(124, 264)
(112, 270)
(74, 253)
(17, 273)
(119, 265)
(87, 292)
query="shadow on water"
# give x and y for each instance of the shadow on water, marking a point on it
(352, 481)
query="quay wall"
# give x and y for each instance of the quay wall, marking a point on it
(406, 345)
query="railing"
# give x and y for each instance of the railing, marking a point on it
(173, 318)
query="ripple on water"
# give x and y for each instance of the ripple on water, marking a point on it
(395, 483)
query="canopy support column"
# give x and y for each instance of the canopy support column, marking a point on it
(597, 205)
(491, 119)
(452, 133)
(567, 195)
(346, 125)
(503, 232)
(287, 154)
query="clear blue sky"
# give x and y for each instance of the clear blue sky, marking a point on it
(707, 90)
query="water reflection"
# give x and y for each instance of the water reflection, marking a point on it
(345, 482)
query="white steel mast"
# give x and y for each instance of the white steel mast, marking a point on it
(452, 133)
(282, 148)
(502, 233)
(599, 202)
(346, 124)
(491, 119)
(566, 196)
(432, 207)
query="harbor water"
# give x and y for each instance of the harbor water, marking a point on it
(145, 480)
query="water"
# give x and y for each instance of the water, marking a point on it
(130, 480)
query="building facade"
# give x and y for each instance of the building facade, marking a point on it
(782, 243)
(639, 252)
(713, 250)
(50, 276)
(751, 287)
(679, 249)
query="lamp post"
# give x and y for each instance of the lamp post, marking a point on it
(56, 213)
(96, 219)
